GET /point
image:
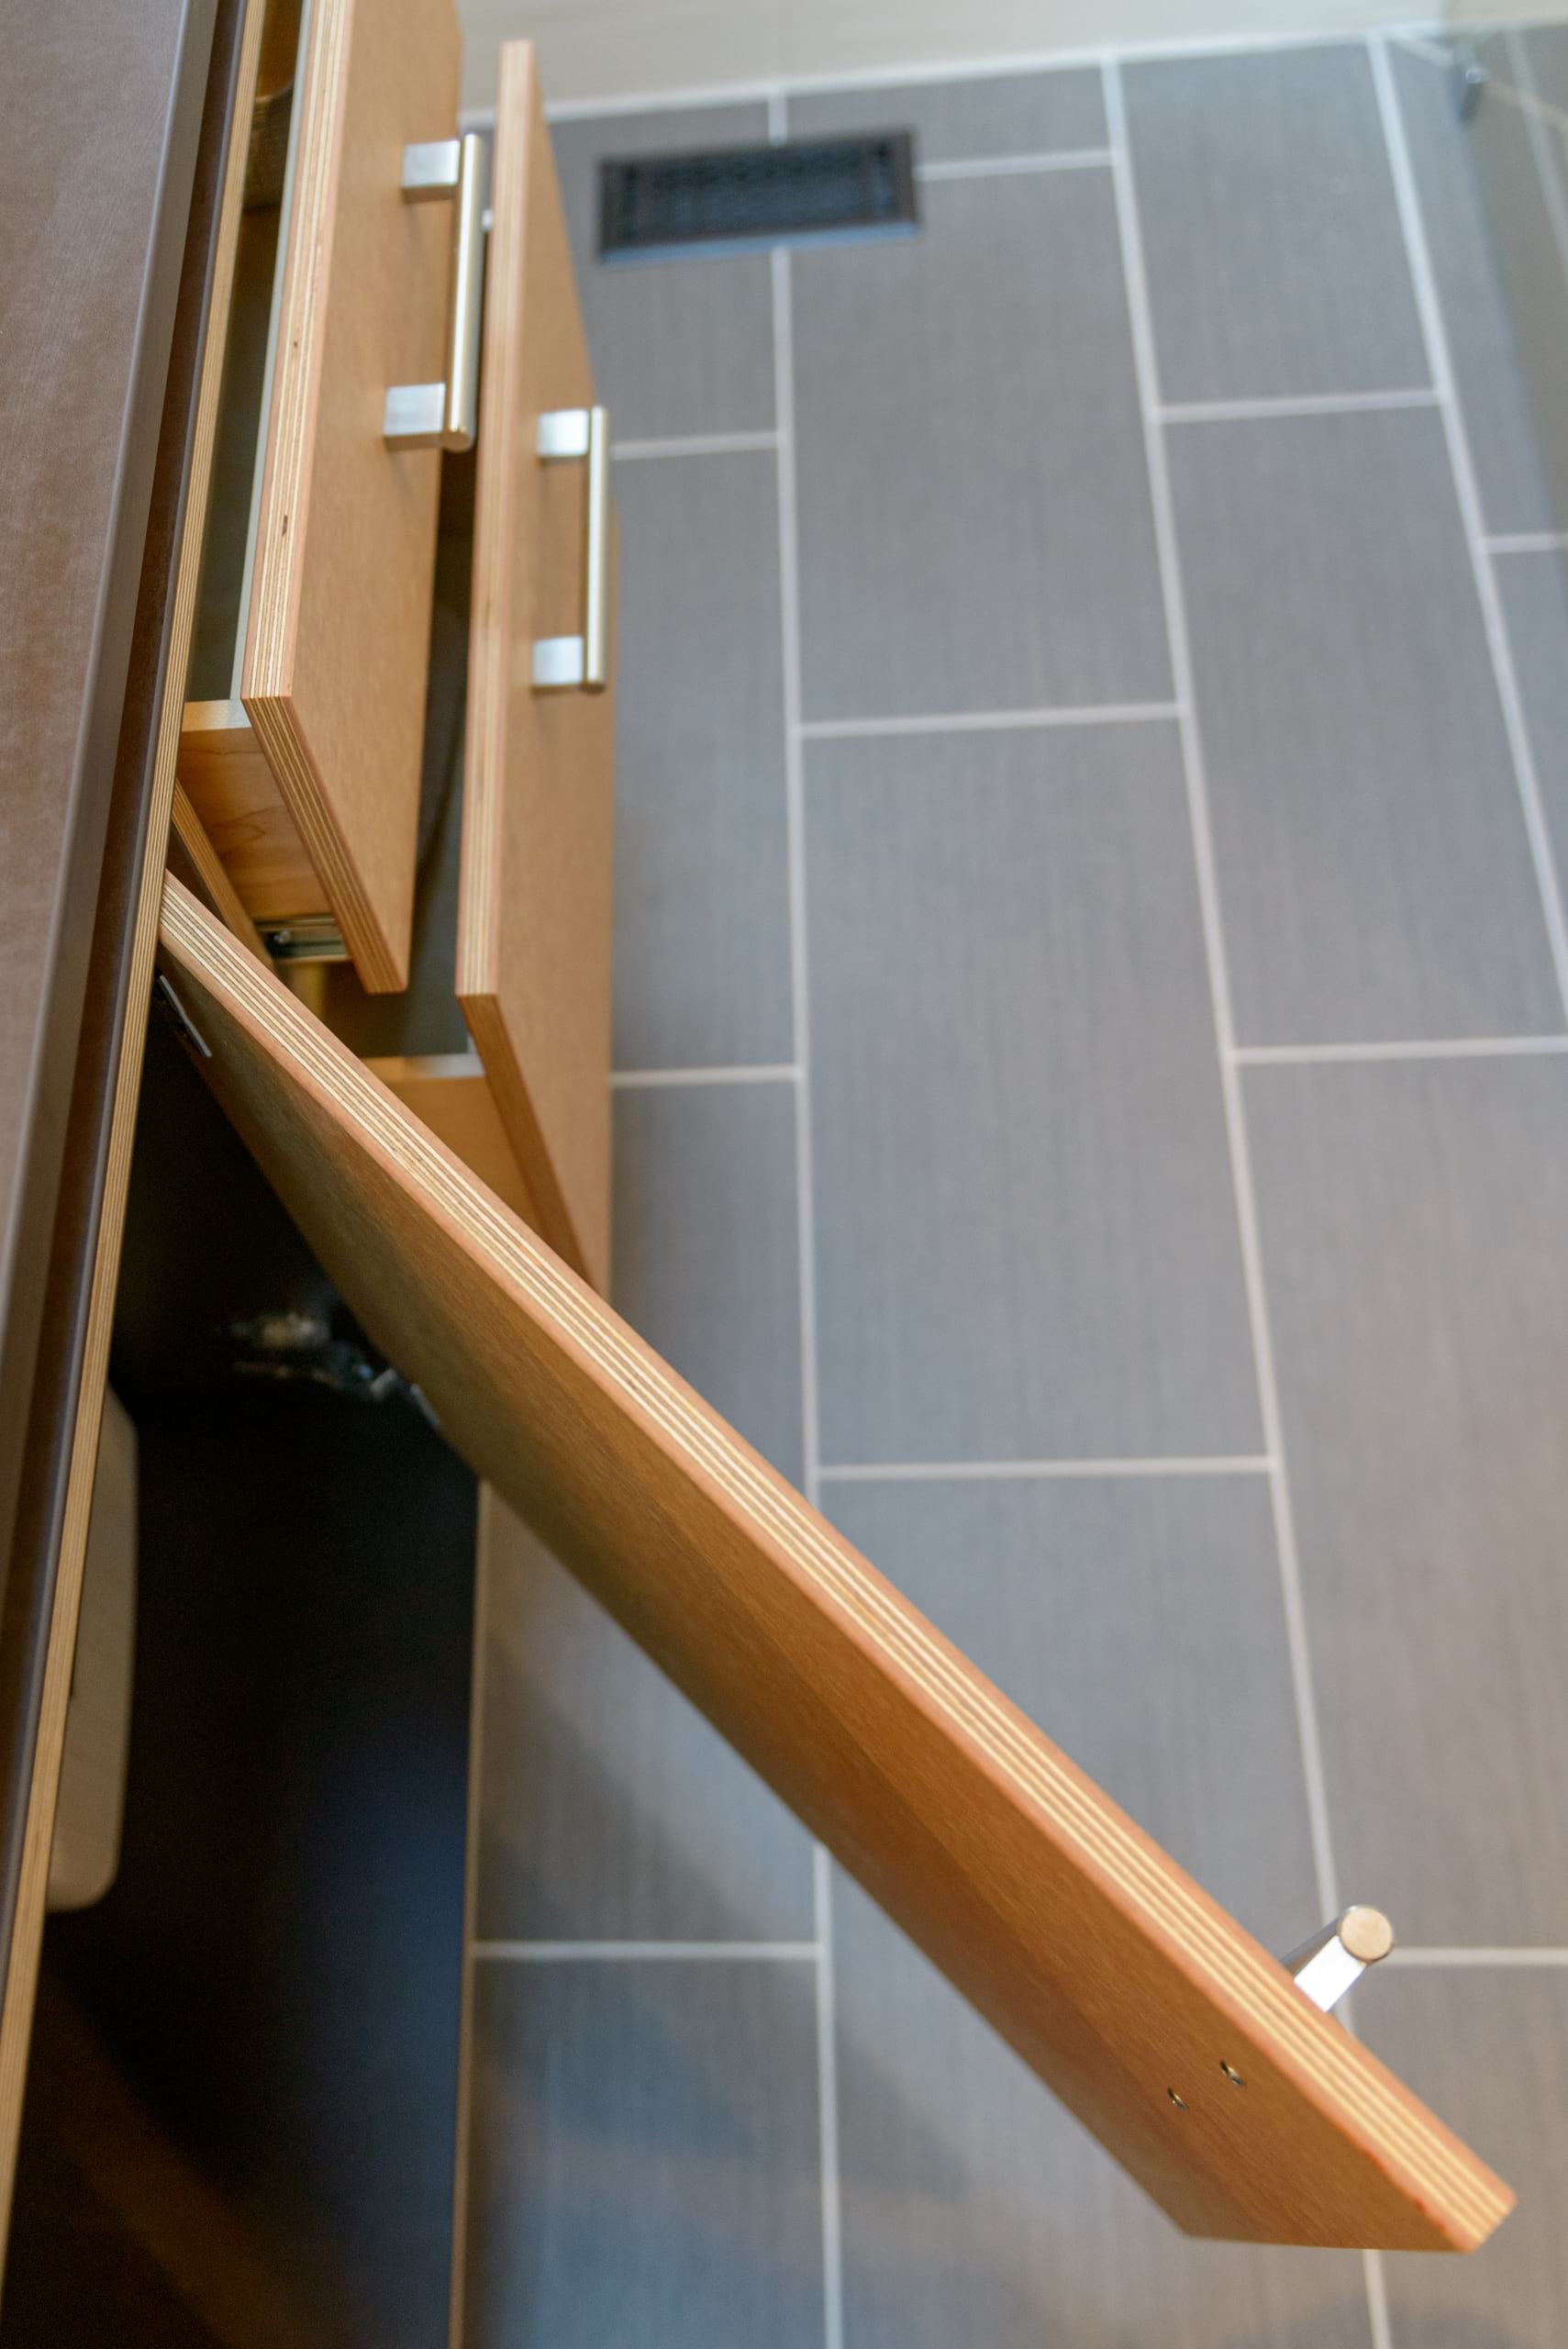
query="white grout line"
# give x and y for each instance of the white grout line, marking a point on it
(1374, 2281)
(1447, 1048)
(1142, 320)
(828, 2102)
(1381, 2332)
(1306, 404)
(1527, 542)
(1431, 51)
(983, 721)
(638, 1952)
(805, 1219)
(1545, 1956)
(1006, 167)
(696, 444)
(913, 1472)
(643, 1080)
(789, 595)
(1085, 56)
(1309, 1733)
(1539, 129)
(1469, 500)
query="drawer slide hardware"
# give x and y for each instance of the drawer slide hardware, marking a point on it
(307, 938)
(445, 415)
(581, 664)
(1328, 1966)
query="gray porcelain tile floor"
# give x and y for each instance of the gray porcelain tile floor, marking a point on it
(1092, 1105)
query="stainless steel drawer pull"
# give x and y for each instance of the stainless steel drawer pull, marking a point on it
(581, 664)
(444, 415)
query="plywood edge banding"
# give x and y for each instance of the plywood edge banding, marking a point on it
(491, 647)
(320, 99)
(1334, 2073)
(515, 1108)
(379, 967)
(535, 884)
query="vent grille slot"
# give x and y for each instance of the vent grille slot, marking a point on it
(810, 191)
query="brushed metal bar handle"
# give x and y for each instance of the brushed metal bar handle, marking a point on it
(581, 664)
(445, 415)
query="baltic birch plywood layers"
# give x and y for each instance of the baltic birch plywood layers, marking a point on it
(534, 920)
(1107, 1969)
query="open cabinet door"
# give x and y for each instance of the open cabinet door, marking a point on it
(1109, 1970)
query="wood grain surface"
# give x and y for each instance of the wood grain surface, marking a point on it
(1105, 1966)
(450, 1093)
(198, 864)
(534, 924)
(233, 791)
(337, 638)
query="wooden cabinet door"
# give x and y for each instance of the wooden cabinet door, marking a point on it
(337, 642)
(1184, 2046)
(533, 964)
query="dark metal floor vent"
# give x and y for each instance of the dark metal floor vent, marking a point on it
(810, 191)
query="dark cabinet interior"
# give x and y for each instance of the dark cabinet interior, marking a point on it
(241, 2105)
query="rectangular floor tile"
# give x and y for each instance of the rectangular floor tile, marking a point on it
(702, 872)
(1138, 1620)
(1534, 591)
(1489, 2051)
(1412, 1222)
(706, 1263)
(1483, 347)
(645, 2157)
(680, 346)
(975, 2210)
(609, 1810)
(1373, 868)
(1275, 258)
(974, 517)
(1015, 114)
(1025, 1239)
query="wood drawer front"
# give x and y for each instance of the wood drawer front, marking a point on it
(1126, 1988)
(534, 925)
(336, 644)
